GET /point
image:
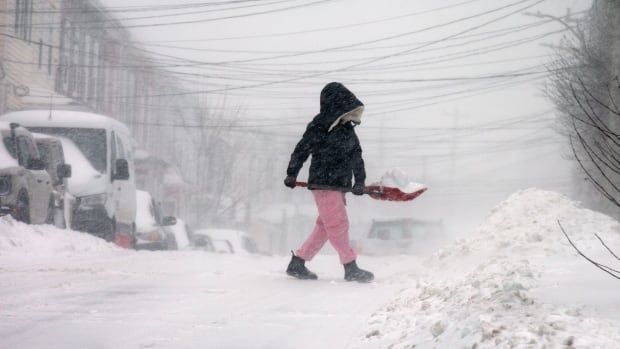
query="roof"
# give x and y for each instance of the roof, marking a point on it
(221, 234)
(64, 118)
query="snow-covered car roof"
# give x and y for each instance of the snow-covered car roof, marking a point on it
(237, 238)
(222, 234)
(64, 118)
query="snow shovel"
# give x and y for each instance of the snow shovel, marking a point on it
(377, 192)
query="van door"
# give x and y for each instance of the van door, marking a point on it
(125, 190)
(39, 183)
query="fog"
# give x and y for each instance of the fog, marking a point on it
(151, 197)
(454, 92)
(454, 96)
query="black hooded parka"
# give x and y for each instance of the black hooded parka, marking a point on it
(336, 153)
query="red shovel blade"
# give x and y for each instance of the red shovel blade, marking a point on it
(380, 192)
(392, 194)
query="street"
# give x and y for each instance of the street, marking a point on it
(188, 300)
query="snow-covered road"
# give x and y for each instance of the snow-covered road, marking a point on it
(514, 282)
(187, 300)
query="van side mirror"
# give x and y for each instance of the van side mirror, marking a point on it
(122, 170)
(63, 171)
(168, 220)
(36, 164)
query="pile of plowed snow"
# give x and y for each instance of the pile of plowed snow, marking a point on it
(32, 241)
(476, 293)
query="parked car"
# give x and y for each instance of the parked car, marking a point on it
(105, 202)
(230, 241)
(200, 240)
(399, 236)
(25, 186)
(151, 226)
(51, 151)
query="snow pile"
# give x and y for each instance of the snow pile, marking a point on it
(397, 178)
(478, 292)
(34, 241)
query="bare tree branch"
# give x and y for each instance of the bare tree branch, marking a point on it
(614, 273)
(607, 247)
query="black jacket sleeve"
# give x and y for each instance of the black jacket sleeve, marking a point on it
(359, 171)
(302, 151)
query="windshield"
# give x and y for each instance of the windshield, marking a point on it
(91, 142)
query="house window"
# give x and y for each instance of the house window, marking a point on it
(23, 19)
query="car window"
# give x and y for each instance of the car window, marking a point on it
(10, 146)
(120, 149)
(113, 153)
(47, 155)
(91, 142)
(156, 212)
(249, 245)
(27, 150)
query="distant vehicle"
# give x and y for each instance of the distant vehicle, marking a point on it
(105, 188)
(222, 246)
(25, 186)
(234, 240)
(51, 151)
(399, 236)
(151, 232)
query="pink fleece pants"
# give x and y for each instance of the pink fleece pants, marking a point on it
(332, 224)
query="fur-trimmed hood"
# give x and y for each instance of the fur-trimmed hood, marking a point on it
(339, 105)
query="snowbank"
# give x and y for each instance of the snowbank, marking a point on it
(397, 178)
(33, 241)
(477, 292)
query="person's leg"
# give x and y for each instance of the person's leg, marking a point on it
(314, 242)
(333, 214)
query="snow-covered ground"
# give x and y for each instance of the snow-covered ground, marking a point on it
(513, 282)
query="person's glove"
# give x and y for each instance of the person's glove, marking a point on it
(289, 181)
(358, 189)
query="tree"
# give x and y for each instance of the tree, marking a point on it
(586, 90)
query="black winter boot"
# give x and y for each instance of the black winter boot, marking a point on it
(297, 269)
(353, 273)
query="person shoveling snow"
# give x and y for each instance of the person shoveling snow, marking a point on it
(336, 155)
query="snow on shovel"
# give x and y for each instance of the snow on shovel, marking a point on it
(378, 192)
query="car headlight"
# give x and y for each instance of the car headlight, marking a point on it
(93, 200)
(5, 185)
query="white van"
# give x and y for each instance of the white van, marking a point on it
(100, 152)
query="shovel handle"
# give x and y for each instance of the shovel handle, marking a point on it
(327, 187)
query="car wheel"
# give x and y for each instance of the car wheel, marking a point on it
(50, 211)
(22, 208)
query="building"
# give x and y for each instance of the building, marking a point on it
(58, 54)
